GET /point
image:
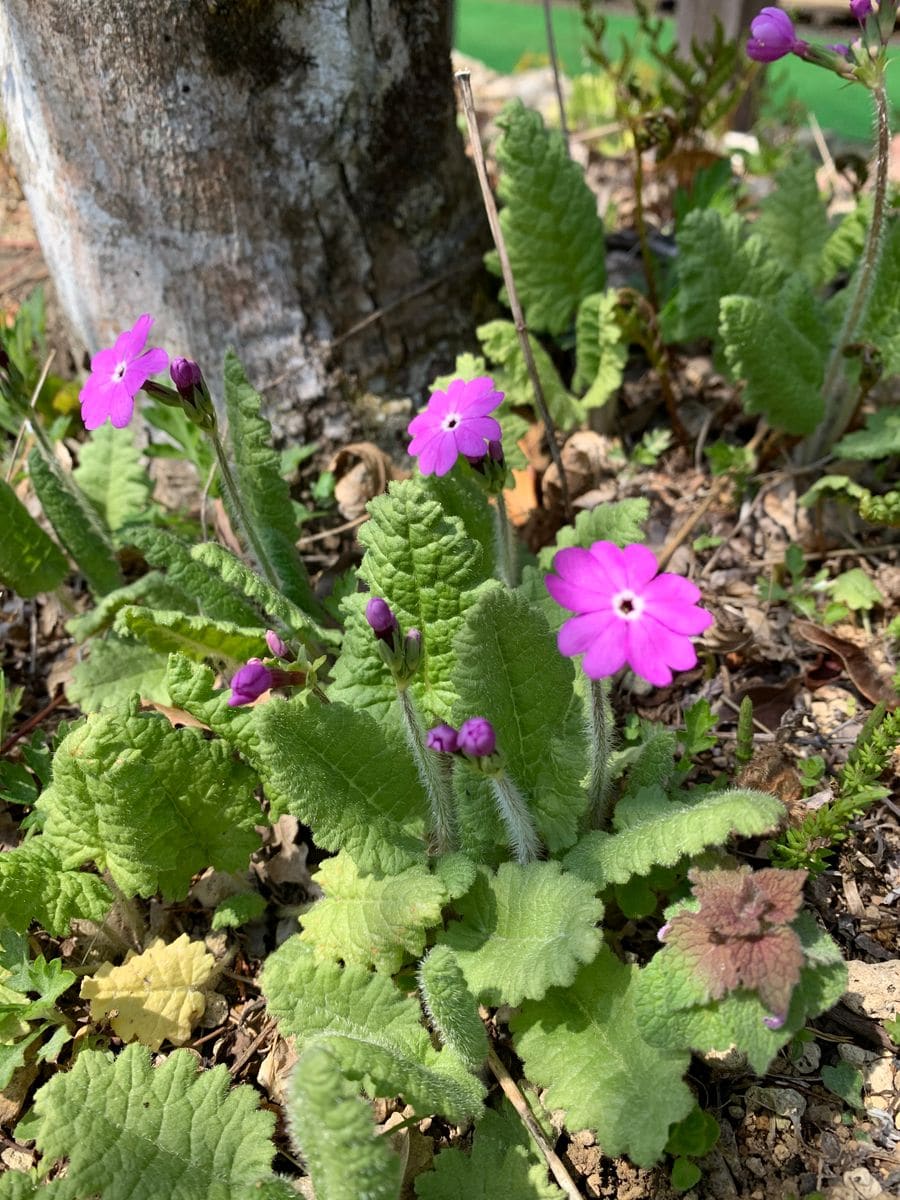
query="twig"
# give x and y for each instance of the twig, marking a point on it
(557, 82)
(686, 528)
(490, 207)
(45, 371)
(824, 152)
(238, 1065)
(324, 533)
(520, 1104)
(32, 722)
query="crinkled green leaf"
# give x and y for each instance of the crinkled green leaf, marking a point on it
(715, 260)
(468, 366)
(30, 561)
(672, 1012)
(585, 1046)
(333, 767)
(179, 561)
(264, 494)
(600, 353)
(502, 1162)
(793, 221)
(500, 343)
(202, 638)
(134, 1132)
(621, 521)
(237, 910)
(24, 1185)
(524, 930)
(114, 670)
(653, 830)
(193, 687)
(36, 885)
(844, 247)
(460, 495)
(855, 589)
(510, 671)
(553, 234)
(374, 921)
(150, 803)
(452, 1009)
(880, 325)
(374, 1030)
(112, 477)
(879, 439)
(421, 561)
(153, 590)
(75, 523)
(779, 348)
(334, 1129)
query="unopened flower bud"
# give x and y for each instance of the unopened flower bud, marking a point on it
(249, 683)
(412, 650)
(276, 646)
(443, 739)
(775, 1021)
(495, 451)
(186, 376)
(477, 738)
(860, 8)
(381, 620)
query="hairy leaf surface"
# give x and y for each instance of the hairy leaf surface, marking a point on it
(35, 885)
(116, 669)
(30, 561)
(793, 221)
(201, 638)
(600, 354)
(111, 475)
(500, 343)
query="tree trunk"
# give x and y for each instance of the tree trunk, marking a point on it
(697, 18)
(262, 173)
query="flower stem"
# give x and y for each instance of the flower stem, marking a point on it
(243, 517)
(523, 838)
(506, 550)
(435, 780)
(840, 401)
(602, 727)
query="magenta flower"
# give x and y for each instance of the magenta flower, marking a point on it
(476, 737)
(455, 422)
(277, 647)
(249, 683)
(381, 619)
(860, 8)
(118, 374)
(627, 612)
(772, 36)
(443, 739)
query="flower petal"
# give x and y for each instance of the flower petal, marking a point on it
(439, 404)
(611, 562)
(578, 599)
(481, 397)
(105, 362)
(446, 453)
(426, 450)
(469, 441)
(140, 369)
(424, 422)
(653, 650)
(578, 566)
(580, 633)
(130, 343)
(640, 565)
(96, 400)
(672, 601)
(121, 406)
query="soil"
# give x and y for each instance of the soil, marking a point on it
(785, 1135)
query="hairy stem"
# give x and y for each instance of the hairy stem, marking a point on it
(506, 550)
(554, 65)
(602, 729)
(641, 227)
(840, 400)
(523, 838)
(243, 517)
(435, 780)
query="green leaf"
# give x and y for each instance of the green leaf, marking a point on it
(237, 910)
(524, 930)
(115, 670)
(585, 1046)
(35, 885)
(685, 1174)
(200, 638)
(468, 366)
(21, 1185)
(372, 921)
(374, 1030)
(600, 354)
(549, 219)
(672, 1009)
(844, 247)
(333, 1128)
(501, 1163)
(460, 495)
(150, 803)
(500, 343)
(30, 561)
(879, 325)
(332, 767)
(879, 439)
(779, 349)
(265, 495)
(652, 830)
(153, 590)
(855, 589)
(451, 1007)
(112, 477)
(695, 1135)
(421, 561)
(132, 1131)
(510, 671)
(715, 260)
(184, 570)
(75, 523)
(793, 221)
(846, 1082)
(621, 522)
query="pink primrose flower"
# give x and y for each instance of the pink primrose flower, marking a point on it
(455, 422)
(626, 612)
(249, 683)
(772, 36)
(118, 374)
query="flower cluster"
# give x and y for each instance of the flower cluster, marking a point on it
(457, 422)
(475, 738)
(401, 654)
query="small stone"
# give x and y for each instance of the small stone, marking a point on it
(880, 1077)
(873, 989)
(809, 1058)
(855, 1055)
(862, 1183)
(735, 1110)
(757, 1167)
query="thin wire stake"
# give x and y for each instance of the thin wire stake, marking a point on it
(38, 431)
(557, 82)
(465, 88)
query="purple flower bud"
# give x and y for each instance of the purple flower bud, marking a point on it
(186, 376)
(477, 737)
(381, 620)
(277, 647)
(443, 739)
(495, 451)
(249, 683)
(772, 37)
(860, 8)
(840, 48)
(775, 1021)
(664, 929)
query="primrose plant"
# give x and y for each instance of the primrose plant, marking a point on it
(452, 749)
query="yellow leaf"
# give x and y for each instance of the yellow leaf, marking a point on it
(153, 997)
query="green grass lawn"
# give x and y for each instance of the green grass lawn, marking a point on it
(500, 32)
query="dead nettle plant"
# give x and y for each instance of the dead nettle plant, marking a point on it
(452, 748)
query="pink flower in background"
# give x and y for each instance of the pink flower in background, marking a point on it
(455, 422)
(772, 36)
(118, 374)
(627, 612)
(860, 8)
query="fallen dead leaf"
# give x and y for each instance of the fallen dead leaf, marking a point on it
(362, 471)
(856, 662)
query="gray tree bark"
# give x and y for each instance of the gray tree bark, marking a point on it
(696, 19)
(262, 173)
